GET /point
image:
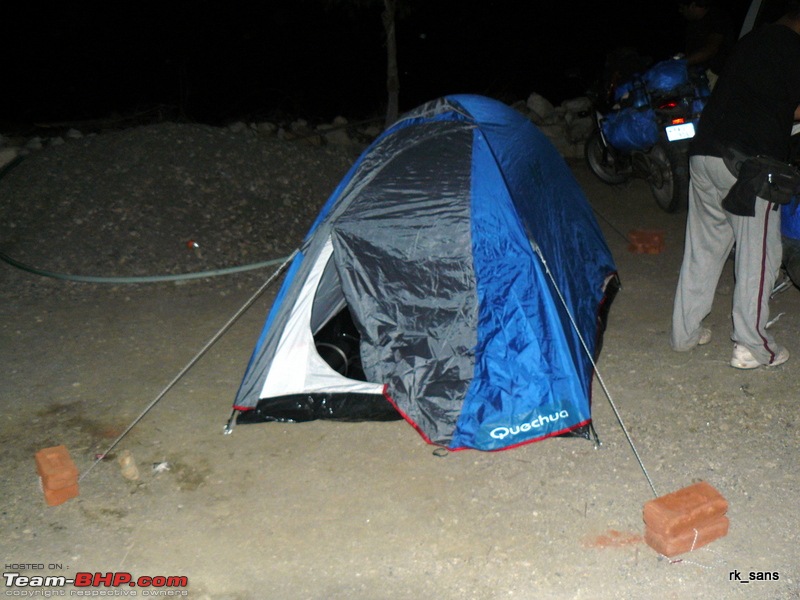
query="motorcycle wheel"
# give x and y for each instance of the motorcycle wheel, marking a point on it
(601, 162)
(669, 176)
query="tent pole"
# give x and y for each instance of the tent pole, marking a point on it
(192, 362)
(538, 252)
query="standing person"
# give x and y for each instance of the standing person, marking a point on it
(752, 109)
(710, 36)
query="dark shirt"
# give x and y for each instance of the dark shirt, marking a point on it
(715, 21)
(753, 103)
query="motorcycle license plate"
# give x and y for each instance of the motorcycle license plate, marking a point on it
(684, 131)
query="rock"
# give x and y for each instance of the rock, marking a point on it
(127, 465)
(555, 133)
(7, 155)
(578, 105)
(335, 135)
(372, 131)
(300, 127)
(35, 143)
(579, 129)
(266, 129)
(567, 126)
(540, 106)
(238, 127)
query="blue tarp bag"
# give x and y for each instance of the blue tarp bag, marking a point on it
(790, 220)
(632, 93)
(666, 75)
(698, 104)
(631, 129)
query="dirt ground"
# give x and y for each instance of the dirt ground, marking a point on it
(366, 511)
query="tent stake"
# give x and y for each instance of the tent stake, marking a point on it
(192, 362)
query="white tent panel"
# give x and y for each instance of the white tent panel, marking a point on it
(297, 367)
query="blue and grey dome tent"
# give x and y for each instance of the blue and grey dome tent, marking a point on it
(456, 278)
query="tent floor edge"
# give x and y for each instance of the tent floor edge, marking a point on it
(299, 408)
(585, 432)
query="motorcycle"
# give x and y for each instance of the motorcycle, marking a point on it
(643, 129)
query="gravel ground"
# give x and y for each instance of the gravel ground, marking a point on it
(163, 199)
(345, 511)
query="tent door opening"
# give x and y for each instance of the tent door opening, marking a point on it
(327, 366)
(338, 344)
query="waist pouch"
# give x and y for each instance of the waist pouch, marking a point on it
(758, 177)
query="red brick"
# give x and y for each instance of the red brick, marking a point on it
(644, 241)
(684, 509)
(56, 468)
(61, 495)
(672, 545)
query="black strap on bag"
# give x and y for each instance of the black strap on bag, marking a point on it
(758, 177)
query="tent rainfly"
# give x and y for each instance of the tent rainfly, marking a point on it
(456, 278)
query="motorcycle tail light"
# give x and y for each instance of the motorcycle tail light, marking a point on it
(668, 104)
(678, 121)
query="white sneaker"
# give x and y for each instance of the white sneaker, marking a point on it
(705, 336)
(744, 359)
(781, 357)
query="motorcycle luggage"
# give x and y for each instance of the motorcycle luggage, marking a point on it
(631, 129)
(632, 93)
(666, 76)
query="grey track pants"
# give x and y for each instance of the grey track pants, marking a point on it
(710, 234)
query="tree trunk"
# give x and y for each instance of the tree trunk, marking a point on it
(392, 75)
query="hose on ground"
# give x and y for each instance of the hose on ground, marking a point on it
(140, 279)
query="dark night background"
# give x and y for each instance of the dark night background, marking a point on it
(213, 61)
